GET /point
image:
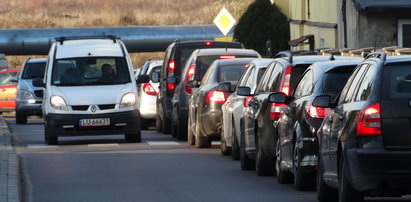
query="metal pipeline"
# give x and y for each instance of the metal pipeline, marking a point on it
(136, 39)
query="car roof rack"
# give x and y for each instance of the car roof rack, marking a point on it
(289, 54)
(62, 39)
(379, 54)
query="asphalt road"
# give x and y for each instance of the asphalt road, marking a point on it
(106, 168)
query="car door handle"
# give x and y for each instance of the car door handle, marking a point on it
(330, 119)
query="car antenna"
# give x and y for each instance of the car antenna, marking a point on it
(332, 58)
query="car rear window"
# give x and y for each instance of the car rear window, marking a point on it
(230, 73)
(334, 81)
(34, 70)
(397, 81)
(296, 74)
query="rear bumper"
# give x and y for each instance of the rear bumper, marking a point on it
(379, 171)
(212, 122)
(148, 107)
(68, 124)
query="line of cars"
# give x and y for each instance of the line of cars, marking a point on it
(337, 124)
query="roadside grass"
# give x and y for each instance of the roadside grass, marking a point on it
(30, 14)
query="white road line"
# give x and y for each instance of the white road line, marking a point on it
(40, 146)
(162, 143)
(103, 145)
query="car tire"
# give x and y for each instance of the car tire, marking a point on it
(21, 118)
(235, 148)
(302, 180)
(201, 141)
(134, 137)
(283, 177)
(166, 125)
(346, 192)
(144, 124)
(190, 135)
(181, 130)
(225, 150)
(264, 166)
(49, 138)
(159, 126)
(174, 129)
(324, 192)
(246, 162)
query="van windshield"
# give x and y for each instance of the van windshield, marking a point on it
(90, 71)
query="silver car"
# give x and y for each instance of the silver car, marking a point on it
(28, 97)
(147, 92)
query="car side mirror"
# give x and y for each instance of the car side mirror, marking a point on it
(38, 82)
(244, 91)
(14, 79)
(322, 101)
(278, 97)
(224, 86)
(142, 79)
(155, 77)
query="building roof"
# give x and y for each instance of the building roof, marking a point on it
(382, 5)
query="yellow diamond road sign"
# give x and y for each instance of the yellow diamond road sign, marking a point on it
(224, 21)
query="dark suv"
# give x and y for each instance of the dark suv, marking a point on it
(365, 143)
(176, 56)
(297, 144)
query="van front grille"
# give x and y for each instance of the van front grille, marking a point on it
(79, 107)
(105, 107)
(38, 93)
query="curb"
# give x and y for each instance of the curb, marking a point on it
(9, 166)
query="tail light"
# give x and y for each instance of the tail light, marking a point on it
(247, 100)
(171, 67)
(149, 89)
(275, 111)
(318, 112)
(285, 82)
(227, 56)
(171, 86)
(208, 43)
(370, 121)
(189, 76)
(216, 96)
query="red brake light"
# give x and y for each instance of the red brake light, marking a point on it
(285, 82)
(149, 90)
(171, 67)
(370, 121)
(171, 86)
(318, 112)
(216, 96)
(275, 112)
(208, 43)
(227, 57)
(189, 76)
(247, 100)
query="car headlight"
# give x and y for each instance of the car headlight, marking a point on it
(58, 103)
(129, 99)
(24, 94)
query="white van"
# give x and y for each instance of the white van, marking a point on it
(90, 89)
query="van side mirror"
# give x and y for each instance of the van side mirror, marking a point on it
(155, 77)
(278, 97)
(142, 79)
(224, 86)
(244, 91)
(322, 101)
(14, 79)
(38, 82)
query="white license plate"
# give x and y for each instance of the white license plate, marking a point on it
(94, 122)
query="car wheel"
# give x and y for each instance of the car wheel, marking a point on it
(174, 129)
(225, 150)
(134, 137)
(283, 177)
(263, 164)
(49, 138)
(190, 135)
(235, 148)
(181, 130)
(201, 141)
(159, 126)
(324, 192)
(302, 181)
(166, 125)
(246, 162)
(21, 118)
(144, 124)
(346, 192)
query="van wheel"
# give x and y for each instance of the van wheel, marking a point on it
(174, 129)
(144, 124)
(49, 138)
(135, 137)
(346, 192)
(159, 126)
(21, 118)
(246, 162)
(324, 192)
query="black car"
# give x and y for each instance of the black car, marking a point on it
(175, 58)
(259, 134)
(297, 146)
(194, 70)
(365, 143)
(205, 121)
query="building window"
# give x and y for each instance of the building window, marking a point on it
(404, 33)
(322, 43)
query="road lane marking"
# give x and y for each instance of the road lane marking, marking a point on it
(40, 146)
(103, 145)
(162, 143)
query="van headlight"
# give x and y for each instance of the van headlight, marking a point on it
(128, 99)
(58, 103)
(24, 94)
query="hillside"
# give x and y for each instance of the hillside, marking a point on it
(19, 14)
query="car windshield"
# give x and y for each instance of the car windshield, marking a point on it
(34, 70)
(90, 71)
(230, 73)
